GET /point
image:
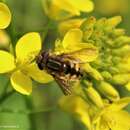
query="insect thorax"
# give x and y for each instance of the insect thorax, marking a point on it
(63, 68)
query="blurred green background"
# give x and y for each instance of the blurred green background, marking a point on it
(39, 111)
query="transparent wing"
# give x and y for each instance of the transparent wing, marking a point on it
(64, 85)
(83, 55)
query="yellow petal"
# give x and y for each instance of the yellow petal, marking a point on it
(21, 83)
(69, 24)
(119, 120)
(71, 39)
(101, 125)
(28, 47)
(83, 5)
(38, 75)
(120, 104)
(7, 62)
(5, 16)
(71, 42)
(67, 6)
(83, 116)
(55, 12)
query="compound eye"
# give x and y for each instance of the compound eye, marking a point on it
(41, 66)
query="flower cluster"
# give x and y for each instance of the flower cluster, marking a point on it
(104, 75)
(111, 68)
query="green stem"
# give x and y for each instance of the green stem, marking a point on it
(5, 89)
(47, 27)
(31, 117)
(6, 96)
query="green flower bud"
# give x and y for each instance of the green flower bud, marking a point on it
(122, 40)
(122, 51)
(108, 91)
(89, 23)
(121, 79)
(92, 72)
(114, 21)
(106, 75)
(93, 95)
(88, 33)
(118, 32)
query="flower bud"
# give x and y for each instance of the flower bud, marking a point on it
(108, 90)
(121, 79)
(4, 40)
(114, 21)
(93, 72)
(93, 95)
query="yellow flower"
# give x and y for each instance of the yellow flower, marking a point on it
(112, 117)
(76, 106)
(5, 16)
(58, 9)
(23, 68)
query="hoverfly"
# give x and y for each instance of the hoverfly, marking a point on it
(64, 67)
